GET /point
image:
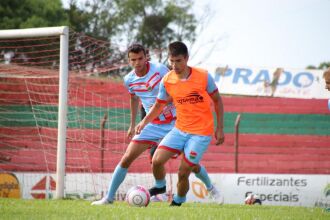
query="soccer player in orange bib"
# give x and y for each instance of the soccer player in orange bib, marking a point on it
(192, 90)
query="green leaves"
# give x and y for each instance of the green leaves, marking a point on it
(31, 13)
(154, 23)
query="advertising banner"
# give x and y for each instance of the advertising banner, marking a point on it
(273, 82)
(9, 186)
(273, 189)
(283, 190)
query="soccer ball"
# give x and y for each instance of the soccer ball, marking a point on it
(252, 199)
(138, 196)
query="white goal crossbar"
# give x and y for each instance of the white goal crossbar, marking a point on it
(63, 33)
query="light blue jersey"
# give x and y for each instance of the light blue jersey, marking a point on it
(147, 87)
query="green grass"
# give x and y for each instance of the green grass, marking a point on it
(80, 209)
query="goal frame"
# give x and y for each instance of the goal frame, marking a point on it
(63, 33)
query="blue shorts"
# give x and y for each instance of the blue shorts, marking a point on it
(193, 146)
(153, 133)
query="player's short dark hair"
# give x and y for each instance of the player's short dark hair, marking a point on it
(136, 48)
(177, 48)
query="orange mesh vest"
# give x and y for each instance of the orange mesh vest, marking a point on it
(192, 102)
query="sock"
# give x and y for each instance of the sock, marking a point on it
(204, 177)
(179, 199)
(118, 177)
(160, 183)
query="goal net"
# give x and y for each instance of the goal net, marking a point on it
(97, 116)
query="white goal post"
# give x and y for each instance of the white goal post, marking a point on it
(63, 32)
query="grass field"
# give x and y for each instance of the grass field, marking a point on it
(80, 209)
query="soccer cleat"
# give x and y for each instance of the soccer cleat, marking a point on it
(103, 201)
(159, 198)
(175, 204)
(215, 195)
(155, 191)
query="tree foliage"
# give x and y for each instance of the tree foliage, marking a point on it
(172, 22)
(322, 66)
(17, 14)
(154, 23)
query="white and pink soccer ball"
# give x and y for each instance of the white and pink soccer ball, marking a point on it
(138, 196)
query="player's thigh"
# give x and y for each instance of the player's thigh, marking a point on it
(195, 148)
(161, 156)
(133, 151)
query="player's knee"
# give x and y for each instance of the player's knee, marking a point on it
(156, 162)
(159, 159)
(196, 168)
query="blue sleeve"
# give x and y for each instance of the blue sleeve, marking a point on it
(162, 94)
(163, 70)
(126, 84)
(211, 87)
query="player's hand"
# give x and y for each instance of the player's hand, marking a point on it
(219, 136)
(130, 132)
(139, 127)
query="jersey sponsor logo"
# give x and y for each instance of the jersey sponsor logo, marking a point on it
(146, 86)
(191, 98)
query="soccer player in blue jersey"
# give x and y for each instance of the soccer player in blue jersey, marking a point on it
(143, 84)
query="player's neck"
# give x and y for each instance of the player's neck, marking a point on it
(184, 74)
(143, 71)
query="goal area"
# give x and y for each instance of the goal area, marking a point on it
(64, 113)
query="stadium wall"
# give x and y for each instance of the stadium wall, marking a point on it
(273, 189)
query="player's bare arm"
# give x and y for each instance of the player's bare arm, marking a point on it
(155, 110)
(134, 104)
(218, 107)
